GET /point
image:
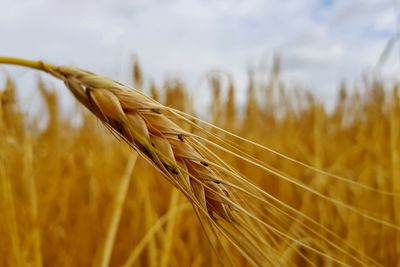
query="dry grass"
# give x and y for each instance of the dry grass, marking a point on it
(63, 203)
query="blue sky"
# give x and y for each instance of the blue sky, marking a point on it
(321, 42)
(327, 3)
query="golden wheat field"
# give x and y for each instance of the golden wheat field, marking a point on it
(73, 195)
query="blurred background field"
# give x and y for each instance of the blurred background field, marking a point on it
(59, 179)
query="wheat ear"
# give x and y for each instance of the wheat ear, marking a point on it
(140, 121)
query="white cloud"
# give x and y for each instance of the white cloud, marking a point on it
(320, 45)
(385, 20)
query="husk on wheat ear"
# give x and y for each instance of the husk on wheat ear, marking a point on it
(235, 213)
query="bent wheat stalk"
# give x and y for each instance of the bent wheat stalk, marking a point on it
(234, 212)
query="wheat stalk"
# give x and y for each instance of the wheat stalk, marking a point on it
(117, 212)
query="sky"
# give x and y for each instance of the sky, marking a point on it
(321, 42)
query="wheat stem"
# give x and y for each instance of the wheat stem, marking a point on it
(133, 256)
(116, 216)
(39, 65)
